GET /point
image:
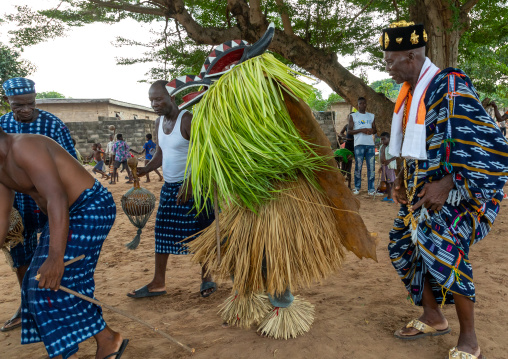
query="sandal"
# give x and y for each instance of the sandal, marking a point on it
(457, 354)
(425, 331)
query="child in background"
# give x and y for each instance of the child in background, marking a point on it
(388, 166)
(98, 155)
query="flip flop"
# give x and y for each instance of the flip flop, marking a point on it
(120, 351)
(385, 199)
(205, 286)
(143, 292)
(455, 353)
(425, 331)
(16, 315)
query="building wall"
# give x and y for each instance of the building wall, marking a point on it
(86, 133)
(127, 113)
(90, 110)
(342, 110)
(327, 122)
(76, 112)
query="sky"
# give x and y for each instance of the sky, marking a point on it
(82, 65)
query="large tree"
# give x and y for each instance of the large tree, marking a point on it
(11, 66)
(310, 33)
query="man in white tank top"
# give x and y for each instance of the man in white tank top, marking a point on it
(175, 220)
(362, 126)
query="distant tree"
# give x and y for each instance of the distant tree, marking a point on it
(317, 103)
(49, 94)
(11, 66)
(388, 87)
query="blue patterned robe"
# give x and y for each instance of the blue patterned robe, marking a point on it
(57, 318)
(34, 220)
(462, 140)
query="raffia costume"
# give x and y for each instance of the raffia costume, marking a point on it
(286, 214)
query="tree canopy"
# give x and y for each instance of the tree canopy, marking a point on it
(11, 66)
(49, 94)
(310, 34)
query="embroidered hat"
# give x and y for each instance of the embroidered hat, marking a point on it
(402, 36)
(18, 86)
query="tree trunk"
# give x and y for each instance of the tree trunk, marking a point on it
(444, 35)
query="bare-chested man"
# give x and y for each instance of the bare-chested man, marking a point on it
(81, 213)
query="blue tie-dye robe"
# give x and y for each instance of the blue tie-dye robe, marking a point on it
(462, 140)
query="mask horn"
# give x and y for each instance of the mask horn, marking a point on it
(259, 47)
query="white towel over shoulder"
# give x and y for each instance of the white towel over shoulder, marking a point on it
(414, 145)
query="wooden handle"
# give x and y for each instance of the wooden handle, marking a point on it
(133, 165)
(73, 260)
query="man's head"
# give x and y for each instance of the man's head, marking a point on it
(385, 138)
(362, 104)
(20, 94)
(94, 147)
(148, 136)
(403, 44)
(111, 137)
(161, 102)
(119, 137)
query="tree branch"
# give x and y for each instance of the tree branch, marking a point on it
(468, 6)
(286, 21)
(397, 13)
(255, 13)
(128, 7)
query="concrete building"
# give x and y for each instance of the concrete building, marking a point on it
(341, 110)
(89, 110)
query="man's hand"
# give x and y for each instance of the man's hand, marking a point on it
(51, 273)
(184, 193)
(399, 191)
(434, 195)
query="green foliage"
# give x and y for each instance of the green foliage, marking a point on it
(243, 138)
(49, 94)
(483, 52)
(11, 66)
(317, 103)
(343, 27)
(388, 87)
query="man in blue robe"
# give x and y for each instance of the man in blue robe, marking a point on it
(26, 118)
(450, 186)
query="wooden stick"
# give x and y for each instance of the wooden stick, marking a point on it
(118, 311)
(217, 226)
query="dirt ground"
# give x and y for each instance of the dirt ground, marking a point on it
(357, 309)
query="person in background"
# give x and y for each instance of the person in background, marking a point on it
(362, 126)
(121, 154)
(501, 119)
(149, 149)
(388, 166)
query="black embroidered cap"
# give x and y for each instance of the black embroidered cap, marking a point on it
(402, 36)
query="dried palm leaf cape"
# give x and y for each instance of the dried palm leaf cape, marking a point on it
(138, 204)
(286, 214)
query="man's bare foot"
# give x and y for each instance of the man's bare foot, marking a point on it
(13, 323)
(108, 342)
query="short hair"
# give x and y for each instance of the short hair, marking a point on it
(161, 84)
(149, 136)
(119, 136)
(385, 134)
(362, 98)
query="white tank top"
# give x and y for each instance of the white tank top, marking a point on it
(363, 120)
(174, 151)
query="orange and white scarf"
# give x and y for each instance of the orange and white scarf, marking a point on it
(414, 145)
